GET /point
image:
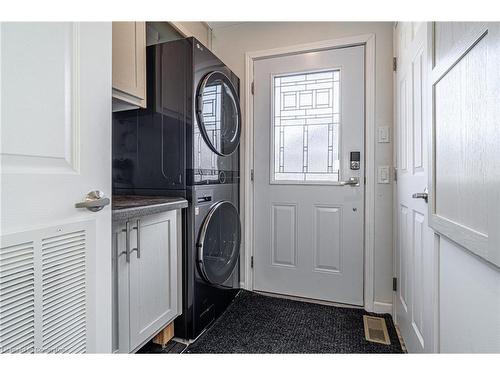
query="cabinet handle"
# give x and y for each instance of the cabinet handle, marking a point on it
(127, 242)
(138, 248)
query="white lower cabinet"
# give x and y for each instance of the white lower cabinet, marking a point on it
(146, 278)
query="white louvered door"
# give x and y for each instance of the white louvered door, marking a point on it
(55, 259)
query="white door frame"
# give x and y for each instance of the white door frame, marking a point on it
(395, 144)
(368, 40)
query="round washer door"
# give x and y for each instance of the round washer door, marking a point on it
(219, 243)
(218, 113)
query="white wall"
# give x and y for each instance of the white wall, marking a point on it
(469, 301)
(231, 42)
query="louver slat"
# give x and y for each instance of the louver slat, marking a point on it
(64, 330)
(17, 294)
(64, 293)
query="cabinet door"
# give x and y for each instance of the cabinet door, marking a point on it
(129, 63)
(120, 289)
(153, 276)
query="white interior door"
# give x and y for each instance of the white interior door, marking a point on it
(55, 259)
(308, 118)
(414, 240)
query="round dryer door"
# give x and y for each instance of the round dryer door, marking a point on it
(218, 113)
(219, 243)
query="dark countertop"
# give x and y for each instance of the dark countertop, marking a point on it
(128, 206)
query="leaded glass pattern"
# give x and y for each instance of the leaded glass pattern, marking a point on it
(212, 112)
(306, 123)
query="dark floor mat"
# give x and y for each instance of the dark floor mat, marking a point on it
(172, 347)
(259, 324)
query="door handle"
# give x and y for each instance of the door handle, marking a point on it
(423, 196)
(94, 201)
(352, 181)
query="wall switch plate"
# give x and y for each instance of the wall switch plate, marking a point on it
(384, 134)
(383, 174)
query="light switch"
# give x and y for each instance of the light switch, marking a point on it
(383, 134)
(383, 174)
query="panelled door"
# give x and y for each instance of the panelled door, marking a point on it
(55, 258)
(466, 103)
(308, 196)
(153, 277)
(414, 243)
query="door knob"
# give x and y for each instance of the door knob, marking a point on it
(94, 201)
(423, 195)
(353, 181)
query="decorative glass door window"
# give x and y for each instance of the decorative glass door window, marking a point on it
(205, 160)
(306, 124)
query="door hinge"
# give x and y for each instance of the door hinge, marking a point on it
(251, 175)
(394, 284)
(253, 88)
(394, 64)
(251, 261)
(395, 175)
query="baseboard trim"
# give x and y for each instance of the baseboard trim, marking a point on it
(382, 307)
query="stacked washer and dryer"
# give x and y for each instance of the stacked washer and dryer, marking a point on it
(186, 143)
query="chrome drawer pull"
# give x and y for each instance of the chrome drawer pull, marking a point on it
(138, 248)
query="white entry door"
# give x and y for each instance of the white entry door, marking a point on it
(55, 259)
(414, 259)
(308, 201)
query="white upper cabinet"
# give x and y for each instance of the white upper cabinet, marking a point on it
(129, 65)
